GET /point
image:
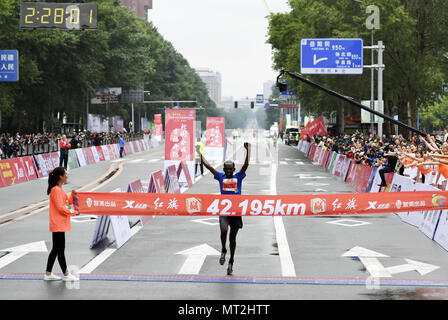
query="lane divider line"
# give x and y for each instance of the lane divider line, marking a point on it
(236, 279)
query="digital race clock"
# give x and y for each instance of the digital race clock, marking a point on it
(58, 15)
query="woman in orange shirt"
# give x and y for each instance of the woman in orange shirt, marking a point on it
(59, 222)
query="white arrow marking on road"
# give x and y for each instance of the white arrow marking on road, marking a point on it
(205, 221)
(196, 257)
(306, 176)
(370, 260)
(412, 265)
(19, 251)
(316, 184)
(316, 61)
(300, 163)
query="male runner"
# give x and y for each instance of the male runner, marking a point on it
(229, 183)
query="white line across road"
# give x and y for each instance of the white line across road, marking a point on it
(286, 262)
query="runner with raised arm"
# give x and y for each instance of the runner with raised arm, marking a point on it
(229, 183)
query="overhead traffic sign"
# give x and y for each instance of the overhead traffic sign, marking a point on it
(331, 56)
(9, 65)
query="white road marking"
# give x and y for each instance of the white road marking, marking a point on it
(105, 254)
(99, 259)
(206, 221)
(18, 252)
(136, 161)
(370, 260)
(196, 258)
(287, 265)
(349, 223)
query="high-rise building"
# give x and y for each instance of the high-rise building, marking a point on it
(140, 7)
(267, 89)
(212, 81)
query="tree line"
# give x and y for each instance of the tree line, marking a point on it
(60, 70)
(414, 32)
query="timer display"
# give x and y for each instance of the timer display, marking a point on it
(37, 15)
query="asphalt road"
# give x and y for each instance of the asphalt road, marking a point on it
(282, 258)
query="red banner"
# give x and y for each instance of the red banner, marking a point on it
(7, 172)
(179, 134)
(158, 126)
(317, 127)
(259, 205)
(19, 171)
(292, 106)
(215, 132)
(362, 177)
(99, 150)
(28, 166)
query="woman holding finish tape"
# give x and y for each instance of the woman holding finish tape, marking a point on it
(60, 213)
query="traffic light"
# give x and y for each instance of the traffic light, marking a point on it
(252, 104)
(236, 104)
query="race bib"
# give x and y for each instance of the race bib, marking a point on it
(230, 185)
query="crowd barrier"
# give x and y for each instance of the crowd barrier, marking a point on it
(363, 178)
(18, 170)
(159, 183)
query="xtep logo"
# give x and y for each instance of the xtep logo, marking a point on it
(374, 205)
(130, 205)
(438, 200)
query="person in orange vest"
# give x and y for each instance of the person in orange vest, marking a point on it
(64, 146)
(60, 213)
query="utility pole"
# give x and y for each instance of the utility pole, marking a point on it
(372, 23)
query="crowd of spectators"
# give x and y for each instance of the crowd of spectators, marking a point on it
(417, 158)
(16, 145)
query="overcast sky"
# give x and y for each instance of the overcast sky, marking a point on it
(228, 36)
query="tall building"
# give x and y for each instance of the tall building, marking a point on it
(140, 7)
(212, 81)
(267, 89)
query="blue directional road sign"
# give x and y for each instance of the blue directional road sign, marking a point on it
(9, 65)
(260, 98)
(331, 56)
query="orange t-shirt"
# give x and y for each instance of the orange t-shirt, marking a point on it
(424, 170)
(443, 169)
(59, 214)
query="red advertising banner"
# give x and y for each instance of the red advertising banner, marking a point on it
(184, 168)
(99, 150)
(179, 134)
(362, 177)
(19, 171)
(171, 181)
(136, 146)
(293, 106)
(215, 132)
(156, 183)
(86, 156)
(111, 152)
(259, 205)
(135, 186)
(37, 165)
(30, 169)
(7, 172)
(90, 155)
(55, 159)
(2, 183)
(351, 173)
(312, 151)
(158, 127)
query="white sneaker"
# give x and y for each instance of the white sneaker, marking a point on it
(51, 277)
(70, 277)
